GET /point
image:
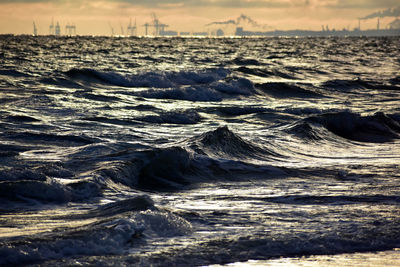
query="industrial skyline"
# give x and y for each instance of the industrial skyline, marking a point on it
(95, 17)
(155, 27)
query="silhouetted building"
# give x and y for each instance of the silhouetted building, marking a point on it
(326, 32)
(239, 31)
(200, 33)
(220, 33)
(168, 33)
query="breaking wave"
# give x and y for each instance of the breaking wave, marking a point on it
(149, 79)
(207, 85)
(110, 236)
(215, 91)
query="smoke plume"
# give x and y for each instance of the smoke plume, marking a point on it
(390, 12)
(238, 21)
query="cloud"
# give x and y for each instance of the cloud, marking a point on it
(346, 4)
(29, 1)
(361, 4)
(181, 3)
(210, 3)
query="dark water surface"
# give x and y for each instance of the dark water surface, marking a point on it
(188, 152)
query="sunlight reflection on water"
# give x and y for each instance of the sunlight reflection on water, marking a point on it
(383, 258)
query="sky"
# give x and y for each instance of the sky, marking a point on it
(100, 17)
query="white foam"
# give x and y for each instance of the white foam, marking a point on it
(163, 79)
(109, 238)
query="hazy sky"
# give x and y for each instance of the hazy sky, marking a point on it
(97, 17)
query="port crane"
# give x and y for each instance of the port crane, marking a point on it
(159, 28)
(131, 30)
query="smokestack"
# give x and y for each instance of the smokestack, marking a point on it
(34, 29)
(378, 25)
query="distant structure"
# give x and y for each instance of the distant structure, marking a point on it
(111, 28)
(325, 32)
(168, 33)
(159, 28)
(239, 21)
(203, 34)
(220, 28)
(57, 29)
(70, 30)
(132, 30)
(387, 13)
(236, 27)
(51, 28)
(155, 23)
(393, 28)
(35, 32)
(146, 28)
(241, 32)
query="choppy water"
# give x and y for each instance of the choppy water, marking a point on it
(188, 152)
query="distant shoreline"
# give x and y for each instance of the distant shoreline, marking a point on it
(240, 33)
(344, 33)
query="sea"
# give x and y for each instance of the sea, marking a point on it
(199, 151)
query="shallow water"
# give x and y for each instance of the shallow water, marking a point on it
(190, 152)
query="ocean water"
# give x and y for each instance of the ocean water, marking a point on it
(197, 152)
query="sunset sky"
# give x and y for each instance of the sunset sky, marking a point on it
(97, 17)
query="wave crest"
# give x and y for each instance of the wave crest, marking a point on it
(377, 128)
(210, 156)
(149, 79)
(223, 142)
(203, 85)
